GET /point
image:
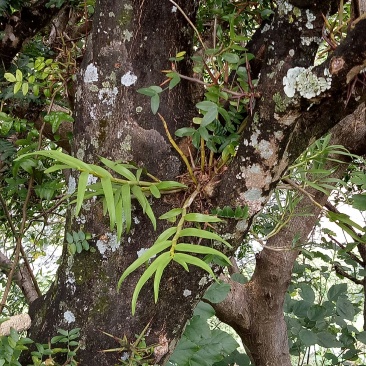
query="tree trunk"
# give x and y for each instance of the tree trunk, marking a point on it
(130, 44)
(255, 309)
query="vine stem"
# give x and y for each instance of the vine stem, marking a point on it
(180, 152)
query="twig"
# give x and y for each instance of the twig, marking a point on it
(176, 147)
(302, 190)
(190, 22)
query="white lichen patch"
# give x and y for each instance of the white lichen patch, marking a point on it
(81, 219)
(241, 226)
(187, 293)
(111, 14)
(307, 41)
(128, 79)
(265, 149)
(266, 28)
(72, 185)
(91, 74)
(80, 154)
(174, 9)
(310, 17)
(284, 7)
(127, 35)
(91, 179)
(305, 82)
(69, 317)
(203, 281)
(107, 242)
(108, 96)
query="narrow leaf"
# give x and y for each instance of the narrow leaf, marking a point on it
(108, 194)
(120, 169)
(197, 217)
(126, 204)
(172, 213)
(180, 261)
(154, 250)
(203, 234)
(56, 167)
(136, 190)
(83, 180)
(119, 215)
(145, 277)
(165, 235)
(200, 249)
(195, 261)
(165, 259)
(154, 191)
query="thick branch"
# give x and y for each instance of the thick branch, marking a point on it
(255, 309)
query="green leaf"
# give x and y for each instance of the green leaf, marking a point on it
(119, 168)
(197, 217)
(172, 213)
(165, 259)
(359, 202)
(180, 261)
(126, 204)
(343, 218)
(200, 249)
(206, 105)
(17, 87)
(328, 340)
(204, 310)
(316, 312)
(345, 308)
(25, 88)
(307, 292)
(72, 248)
(165, 235)
(119, 215)
(69, 238)
(83, 181)
(185, 131)
(203, 234)
(158, 262)
(147, 91)
(154, 250)
(56, 167)
(217, 292)
(136, 190)
(166, 185)
(232, 58)
(63, 158)
(307, 337)
(155, 102)
(195, 261)
(336, 290)
(10, 77)
(108, 194)
(18, 75)
(154, 191)
(361, 337)
(209, 116)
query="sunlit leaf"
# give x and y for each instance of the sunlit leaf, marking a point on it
(158, 262)
(203, 234)
(83, 181)
(197, 217)
(126, 203)
(152, 251)
(109, 197)
(200, 249)
(119, 168)
(165, 259)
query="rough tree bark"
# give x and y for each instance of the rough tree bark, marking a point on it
(130, 43)
(255, 309)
